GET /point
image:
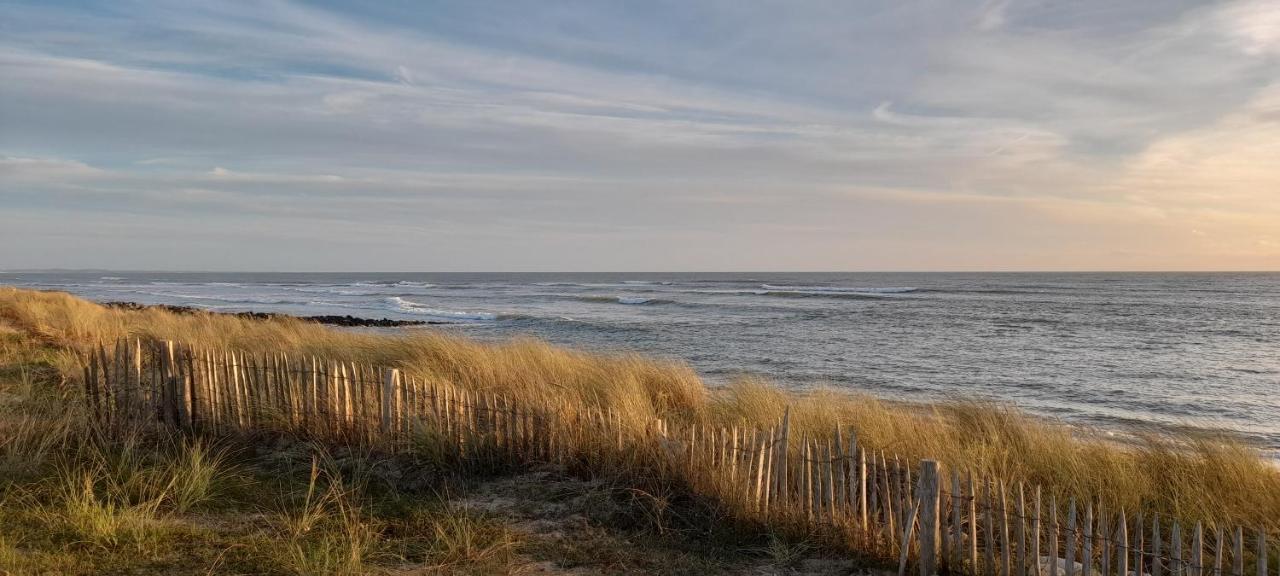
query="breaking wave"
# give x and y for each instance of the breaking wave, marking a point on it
(223, 299)
(840, 289)
(399, 304)
(632, 300)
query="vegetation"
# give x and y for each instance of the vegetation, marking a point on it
(76, 499)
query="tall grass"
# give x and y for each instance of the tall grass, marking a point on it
(1191, 476)
(327, 532)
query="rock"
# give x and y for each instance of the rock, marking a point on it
(345, 320)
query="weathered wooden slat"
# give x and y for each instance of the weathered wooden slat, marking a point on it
(1197, 551)
(1035, 535)
(388, 383)
(756, 471)
(955, 558)
(862, 486)
(889, 503)
(1020, 531)
(1220, 548)
(928, 498)
(1176, 567)
(1072, 537)
(992, 568)
(765, 450)
(1122, 547)
(1105, 544)
(1261, 554)
(1054, 535)
(973, 524)
(806, 478)
(1006, 561)
(829, 469)
(1139, 532)
(1157, 551)
(909, 524)
(873, 487)
(1086, 554)
(1237, 552)
(779, 457)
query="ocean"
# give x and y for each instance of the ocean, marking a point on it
(1108, 350)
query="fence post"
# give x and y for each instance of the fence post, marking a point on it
(929, 517)
(1262, 553)
(780, 446)
(173, 411)
(388, 388)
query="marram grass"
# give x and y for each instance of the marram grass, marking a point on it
(1195, 476)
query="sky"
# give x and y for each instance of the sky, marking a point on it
(651, 136)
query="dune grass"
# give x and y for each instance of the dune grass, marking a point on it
(1193, 476)
(80, 498)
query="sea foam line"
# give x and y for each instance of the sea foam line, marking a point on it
(410, 307)
(840, 289)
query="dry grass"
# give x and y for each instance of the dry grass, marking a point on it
(78, 499)
(1195, 477)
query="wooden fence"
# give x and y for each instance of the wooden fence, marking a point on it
(915, 514)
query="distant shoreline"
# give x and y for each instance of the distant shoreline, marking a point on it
(328, 319)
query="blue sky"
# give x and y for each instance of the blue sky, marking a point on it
(720, 135)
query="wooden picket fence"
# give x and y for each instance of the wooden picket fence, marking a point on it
(940, 522)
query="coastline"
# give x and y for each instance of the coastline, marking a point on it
(1104, 351)
(346, 321)
(1129, 434)
(1181, 477)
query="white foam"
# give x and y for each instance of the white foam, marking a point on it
(410, 307)
(726, 291)
(632, 284)
(634, 300)
(336, 290)
(840, 289)
(228, 299)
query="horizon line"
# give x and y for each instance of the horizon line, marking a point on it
(908, 271)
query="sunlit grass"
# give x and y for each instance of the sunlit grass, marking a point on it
(327, 532)
(1195, 477)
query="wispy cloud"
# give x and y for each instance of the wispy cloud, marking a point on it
(901, 135)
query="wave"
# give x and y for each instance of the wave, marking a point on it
(840, 289)
(626, 284)
(336, 290)
(792, 293)
(820, 294)
(111, 278)
(640, 300)
(410, 307)
(226, 299)
(632, 300)
(385, 283)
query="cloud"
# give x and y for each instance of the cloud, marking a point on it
(992, 15)
(719, 134)
(1252, 25)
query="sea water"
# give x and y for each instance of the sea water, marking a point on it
(1106, 350)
